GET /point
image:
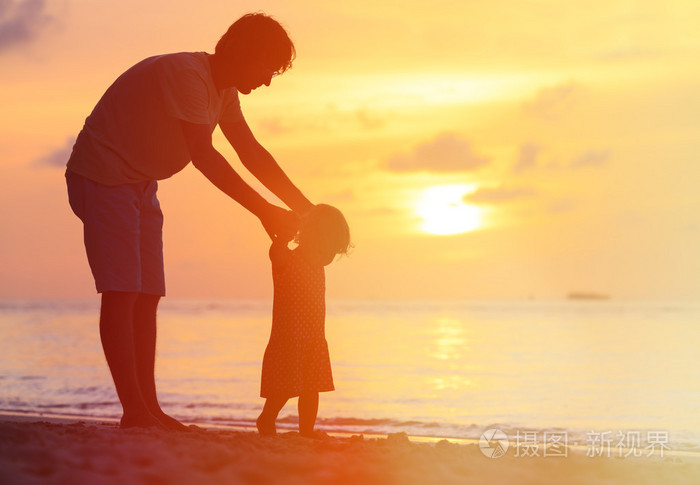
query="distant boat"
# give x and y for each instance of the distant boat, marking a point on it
(584, 295)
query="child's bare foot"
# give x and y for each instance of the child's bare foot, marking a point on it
(315, 435)
(140, 421)
(265, 428)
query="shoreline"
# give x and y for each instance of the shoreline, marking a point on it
(57, 418)
(62, 449)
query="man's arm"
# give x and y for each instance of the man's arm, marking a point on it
(263, 166)
(220, 173)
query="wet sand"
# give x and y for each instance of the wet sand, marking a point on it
(76, 451)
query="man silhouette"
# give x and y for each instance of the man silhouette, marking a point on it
(151, 122)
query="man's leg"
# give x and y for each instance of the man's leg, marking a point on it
(117, 335)
(145, 311)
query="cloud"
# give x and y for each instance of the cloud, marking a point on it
(368, 120)
(288, 126)
(530, 158)
(446, 153)
(340, 197)
(21, 21)
(57, 157)
(527, 158)
(626, 53)
(552, 103)
(561, 206)
(499, 195)
(275, 126)
(331, 121)
(591, 158)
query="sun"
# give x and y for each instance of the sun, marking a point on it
(444, 212)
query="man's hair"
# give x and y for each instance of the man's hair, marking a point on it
(259, 36)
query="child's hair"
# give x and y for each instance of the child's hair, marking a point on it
(325, 223)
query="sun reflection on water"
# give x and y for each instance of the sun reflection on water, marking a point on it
(450, 339)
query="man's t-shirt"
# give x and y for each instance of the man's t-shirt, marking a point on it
(134, 132)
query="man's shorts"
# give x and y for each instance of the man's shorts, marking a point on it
(123, 232)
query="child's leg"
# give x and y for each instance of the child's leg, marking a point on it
(308, 409)
(266, 421)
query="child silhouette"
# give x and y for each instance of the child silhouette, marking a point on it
(296, 361)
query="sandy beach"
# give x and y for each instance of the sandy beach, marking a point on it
(38, 450)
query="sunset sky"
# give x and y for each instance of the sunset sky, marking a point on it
(563, 138)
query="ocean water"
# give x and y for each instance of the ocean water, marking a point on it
(436, 369)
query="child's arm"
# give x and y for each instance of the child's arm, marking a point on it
(279, 252)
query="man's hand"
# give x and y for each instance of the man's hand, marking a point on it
(280, 224)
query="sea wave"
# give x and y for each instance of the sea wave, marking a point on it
(525, 439)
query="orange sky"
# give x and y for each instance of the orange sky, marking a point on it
(571, 128)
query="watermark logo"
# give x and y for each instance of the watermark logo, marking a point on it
(493, 443)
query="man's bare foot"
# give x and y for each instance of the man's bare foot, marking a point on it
(265, 428)
(140, 421)
(171, 423)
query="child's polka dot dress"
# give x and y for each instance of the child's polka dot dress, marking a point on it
(296, 358)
